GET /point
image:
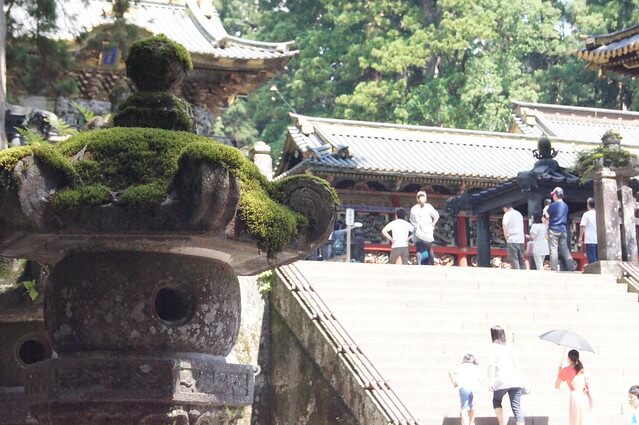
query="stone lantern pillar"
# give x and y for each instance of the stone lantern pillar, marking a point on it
(616, 227)
(260, 154)
(145, 230)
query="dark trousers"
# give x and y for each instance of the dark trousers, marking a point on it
(516, 255)
(421, 246)
(514, 394)
(591, 252)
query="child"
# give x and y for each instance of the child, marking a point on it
(467, 378)
(633, 400)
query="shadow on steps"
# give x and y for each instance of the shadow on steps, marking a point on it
(530, 420)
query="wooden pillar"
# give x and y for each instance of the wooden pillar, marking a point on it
(462, 240)
(535, 202)
(483, 240)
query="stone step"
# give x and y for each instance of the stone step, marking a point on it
(495, 317)
(416, 305)
(475, 294)
(374, 282)
(415, 272)
(415, 323)
(425, 274)
(513, 327)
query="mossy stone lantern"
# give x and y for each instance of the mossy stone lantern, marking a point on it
(145, 229)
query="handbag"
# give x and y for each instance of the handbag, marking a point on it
(530, 249)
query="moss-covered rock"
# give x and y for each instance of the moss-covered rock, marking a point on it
(157, 63)
(603, 156)
(155, 110)
(135, 168)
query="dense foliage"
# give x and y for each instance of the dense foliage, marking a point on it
(455, 63)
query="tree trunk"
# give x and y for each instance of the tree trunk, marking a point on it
(3, 76)
(431, 11)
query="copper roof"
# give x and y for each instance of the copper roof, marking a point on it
(618, 51)
(573, 122)
(413, 150)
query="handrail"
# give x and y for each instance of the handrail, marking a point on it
(370, 378)
(631, 274)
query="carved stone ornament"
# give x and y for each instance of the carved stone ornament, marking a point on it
(145, 230)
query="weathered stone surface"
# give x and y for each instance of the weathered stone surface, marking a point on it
(628, 224)
(312, 199)
(199, 186)
(608, 220)
(13, 407)
(142, 302)
(24, 342)
(35, 182)
(104, 378)
(194, 220)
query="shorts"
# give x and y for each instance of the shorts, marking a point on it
(399, 252)
(466, 399)
(514, 394)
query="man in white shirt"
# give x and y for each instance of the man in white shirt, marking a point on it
(398, 233)
(588, 231)
(424, 218)
(513, 225)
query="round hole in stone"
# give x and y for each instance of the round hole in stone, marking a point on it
(172, 305)
(33, 351)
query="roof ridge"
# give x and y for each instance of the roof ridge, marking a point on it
(371, 124)
(574, 108)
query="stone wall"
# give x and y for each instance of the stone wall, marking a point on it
(289, 386)
(300, 394)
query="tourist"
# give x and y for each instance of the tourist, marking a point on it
(633, 400)
(466, 377)
(588, 231)
(505, 376)
(538, 241)
(513, 226)
(557, 215)
(398, 232)
(424, 217)
(580, 404)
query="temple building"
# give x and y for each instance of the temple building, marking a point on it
(617, 52)
(225, 66)
(378, 167)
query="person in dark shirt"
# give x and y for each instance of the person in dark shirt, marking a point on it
(557, 215)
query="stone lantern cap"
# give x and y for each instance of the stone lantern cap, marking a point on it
(157, 190)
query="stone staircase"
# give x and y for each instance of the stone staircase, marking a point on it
(415, 323)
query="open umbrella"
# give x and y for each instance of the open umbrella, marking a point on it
(567, 338)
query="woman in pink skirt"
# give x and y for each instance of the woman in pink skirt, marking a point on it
(580, 406)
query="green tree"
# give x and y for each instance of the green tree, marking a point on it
(457, 63)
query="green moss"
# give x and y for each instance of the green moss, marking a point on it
(589, 161)
(280, 183)
(136, 167)
(44, 153)
(70, 199)
(272, 224)
(155, 110)
(144, 195)
(155, 63)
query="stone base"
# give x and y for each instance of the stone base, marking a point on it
(101, 389)
(605, 267)
(13, 407)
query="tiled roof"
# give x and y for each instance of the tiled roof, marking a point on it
(611, 48)
(181, 21)
(415, 150)
(576, 123)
